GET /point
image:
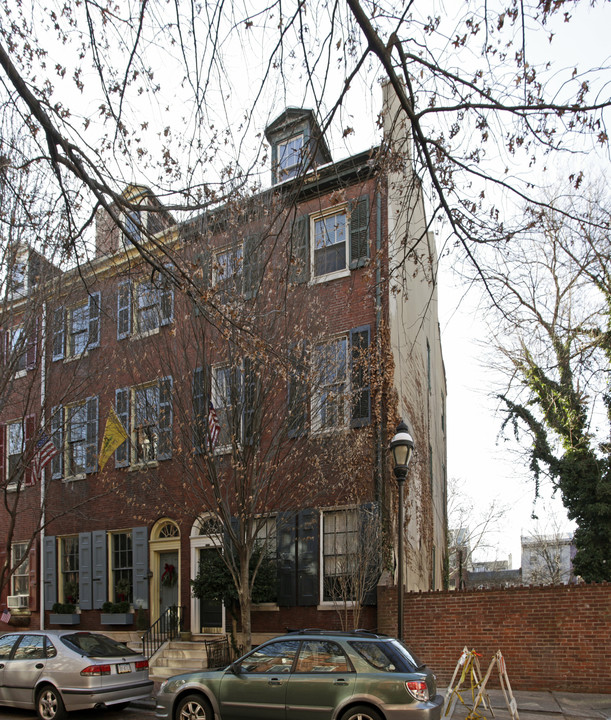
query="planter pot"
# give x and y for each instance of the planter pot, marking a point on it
(117, 618)
(65, 619)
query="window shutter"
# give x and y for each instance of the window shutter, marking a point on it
(93, 340)
(308, 532)
(29, 432)
(287, 567)
(57, 435)
(2, 455)
(166, 302)
(99, 568)
(297, 391)
(33, 584)
(253, 265)
(124, 310)
(32, 346)
(122, 410)
(250, 392)
(59, 327)
(50, 571)
(140, 560)
(91, 450)
(274, 163)
(359, 232)
(359, 376)
(164, 419)
(370, 535)
(4, 339)
(84, 571)
(200, 410)
(299, 270)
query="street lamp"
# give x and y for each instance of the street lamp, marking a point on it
(402, 447)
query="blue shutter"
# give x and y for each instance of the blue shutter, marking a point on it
(308, 531)
(57, 435)
(99, 568)
(140, 560)
(165, 419)
(122, 410)
(286, 546)
(91, 450)
(94, 320)
(124, 310)
(84, 571)
(359, 232)
(360, 413)
(59, 327)
(50, 570)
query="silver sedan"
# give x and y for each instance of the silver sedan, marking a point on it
(54, 672)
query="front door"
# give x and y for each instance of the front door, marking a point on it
(168, 580)
(210, 612)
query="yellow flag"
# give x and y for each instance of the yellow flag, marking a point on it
(114, 435)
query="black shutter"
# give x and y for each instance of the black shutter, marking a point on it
(122, 410)
(165, 419)
(124, 310)
(308, 532)
(59, 326)
(299, 270)
(57, 435)
(93, 339)
(297, 390)
(359, 232)
(286, 547)
(91, 449)
(359, 376)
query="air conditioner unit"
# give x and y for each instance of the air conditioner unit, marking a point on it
(18, 601)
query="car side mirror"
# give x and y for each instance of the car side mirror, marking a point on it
(235, 668)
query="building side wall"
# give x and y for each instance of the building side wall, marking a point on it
(552, 637)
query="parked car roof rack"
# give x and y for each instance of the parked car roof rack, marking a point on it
(344, 633)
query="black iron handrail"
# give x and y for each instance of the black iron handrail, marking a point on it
(167, 627)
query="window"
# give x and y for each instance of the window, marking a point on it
(143, 307)
(275, 657)
(132, 222)
(290, 156)
(266, 537)
(69, 549)
(74, 430)
(330, 244)
(226, 398)
(321, 656)
(329, 402)
(17, 349)
(145, 412)
(76, 329)
(15, 448)
(340, 553)
(122, 567)
(20, 580)
(228, 273)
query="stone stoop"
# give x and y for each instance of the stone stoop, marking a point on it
(175, 657)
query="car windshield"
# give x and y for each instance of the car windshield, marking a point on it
(93, 645)
(389, 656)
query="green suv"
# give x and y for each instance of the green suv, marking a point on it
(309, 674)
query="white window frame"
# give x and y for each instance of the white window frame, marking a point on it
(319, 390)
(18, 344)
(68, 443)
(142, 288)
(350, 537)
(324, 217)
(146, 460)
(285, 154)
(83, 331)
(64, 570)
(22, 573)
(218, 400)
(114, 571)
(20, 425)
(228, 269)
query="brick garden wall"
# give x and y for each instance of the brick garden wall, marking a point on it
(552, 637)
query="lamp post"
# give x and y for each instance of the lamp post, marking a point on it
(402, 447)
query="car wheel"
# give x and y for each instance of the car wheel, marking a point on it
(361, 712)
(49, 704)
(194, 707)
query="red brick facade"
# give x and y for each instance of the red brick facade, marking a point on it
(552, 637)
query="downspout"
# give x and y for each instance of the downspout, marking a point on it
(378, 296)
(43, 474)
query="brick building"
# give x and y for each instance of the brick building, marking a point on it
(258, 361)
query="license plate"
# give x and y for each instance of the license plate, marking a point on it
(124, 668)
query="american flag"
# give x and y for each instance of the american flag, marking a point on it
(45, 452)
(6, 615)
(214, 428)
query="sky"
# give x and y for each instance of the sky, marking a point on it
(477, 456)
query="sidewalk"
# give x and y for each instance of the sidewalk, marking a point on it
(533, 705)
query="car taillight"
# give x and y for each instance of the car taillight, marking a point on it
(417, 689)
(96, 670)
(142, 664)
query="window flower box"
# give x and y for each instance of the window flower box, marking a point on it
(115, 618)
(65, 619)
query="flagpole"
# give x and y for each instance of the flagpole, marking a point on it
(43, 474)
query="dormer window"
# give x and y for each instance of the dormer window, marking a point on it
(133, 226)
(290, 156)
